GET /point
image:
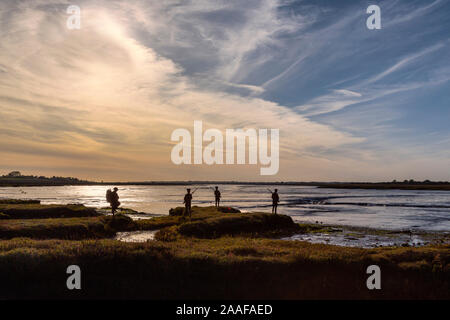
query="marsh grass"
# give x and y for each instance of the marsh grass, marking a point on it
(118, 222)
(77, 228)
(39, 211)
(213, 255)
(223, 268)
(251, 224)
(176, 218)
(58, 228)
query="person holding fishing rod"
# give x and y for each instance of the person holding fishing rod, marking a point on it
(217, 196)
(188, 201)
(275, 200)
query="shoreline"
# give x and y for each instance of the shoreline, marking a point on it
(333, 234)
(415, 185)
(366, 237)
(137, 215)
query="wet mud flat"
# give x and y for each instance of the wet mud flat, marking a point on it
(136, 236)
(350, 236)
(133, 214)
(341, 235)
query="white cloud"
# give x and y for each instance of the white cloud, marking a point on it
(101, 102)
(101, 98)
(404, 62)
(348, 93)
(408, 13)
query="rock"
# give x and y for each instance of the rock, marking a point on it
(178, 211)
(228, 210)
(4, 216)
(119, 222)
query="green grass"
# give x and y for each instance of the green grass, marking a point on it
(75, 228)
(198, 213)
(214, 255)
(210, 222)
(58, 228)
(71, 222)
(316, 228)
(39, 211)
(251, 225)
(224, 268)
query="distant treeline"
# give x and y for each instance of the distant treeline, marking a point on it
(405, 185)
(22, 181)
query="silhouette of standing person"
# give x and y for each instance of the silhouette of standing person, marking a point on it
(275, 200)
(217, 196)
(187, 203)
(113, 198)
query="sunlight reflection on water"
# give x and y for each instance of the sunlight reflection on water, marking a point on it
(388, 209)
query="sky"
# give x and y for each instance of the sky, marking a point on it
(102, 101)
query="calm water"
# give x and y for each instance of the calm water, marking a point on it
(390, 209)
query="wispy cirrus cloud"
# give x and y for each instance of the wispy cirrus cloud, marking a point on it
(405, 61)
(106, 98)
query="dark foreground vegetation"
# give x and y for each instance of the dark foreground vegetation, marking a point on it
(77, 222)
(209, 222)
(215, 224)
(60, 228)
(223, 268)
(72, 222)
(37, 211)
(215, 255)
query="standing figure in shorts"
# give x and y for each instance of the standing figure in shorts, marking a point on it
(275, 200)
(187, 203)
(217, 196)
